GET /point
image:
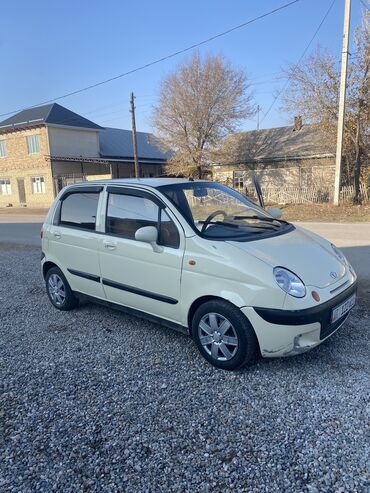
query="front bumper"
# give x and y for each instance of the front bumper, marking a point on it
(290, 332)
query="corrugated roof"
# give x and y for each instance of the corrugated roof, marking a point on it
(53, 114)
(117, 143)
(279, 143)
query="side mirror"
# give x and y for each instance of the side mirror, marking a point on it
(149, 234)
(275, 212)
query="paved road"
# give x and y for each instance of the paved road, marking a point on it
(21, 228)
(352, 238)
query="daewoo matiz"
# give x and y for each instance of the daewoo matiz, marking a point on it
(200, 257)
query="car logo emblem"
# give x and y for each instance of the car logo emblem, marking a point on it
(334, 275)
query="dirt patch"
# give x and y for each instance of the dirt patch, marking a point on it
(33, 211)
(326, 213)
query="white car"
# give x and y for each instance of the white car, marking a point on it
(199, 257)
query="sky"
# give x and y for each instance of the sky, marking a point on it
(51, 47)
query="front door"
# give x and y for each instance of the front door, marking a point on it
(133, 274)
(21, 191)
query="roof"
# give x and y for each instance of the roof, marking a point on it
(52, 114)
(279, 144)
(117, 143)
(148, 182)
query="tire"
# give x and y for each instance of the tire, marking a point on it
(231, 347)
(59, 291)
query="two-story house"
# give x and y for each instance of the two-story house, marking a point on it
(45, 148)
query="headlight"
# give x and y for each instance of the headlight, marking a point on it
(289, 282)
(339, 254)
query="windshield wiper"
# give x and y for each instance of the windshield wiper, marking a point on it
(270, 219)
(220, 222)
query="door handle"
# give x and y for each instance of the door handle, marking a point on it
(109, 245)
(57, 234)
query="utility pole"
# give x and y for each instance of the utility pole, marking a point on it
(258, 116)
(134, 140)
(342, 101)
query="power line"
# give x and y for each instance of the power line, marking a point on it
(300, 59)
(159, 60)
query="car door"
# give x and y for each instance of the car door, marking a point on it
(74, 242)
(133, 274)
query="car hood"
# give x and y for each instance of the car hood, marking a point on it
(307, 255)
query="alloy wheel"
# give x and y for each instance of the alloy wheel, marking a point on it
(56, 289)
(218, 336)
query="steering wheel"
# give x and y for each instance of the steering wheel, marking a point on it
(210, 217)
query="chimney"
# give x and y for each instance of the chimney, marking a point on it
(297, 123)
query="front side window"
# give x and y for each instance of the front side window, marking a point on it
(128, 213)
(3, 148)
(79, 210)
(38, 184)
(217, 211)
(33, 144)
(5, 187)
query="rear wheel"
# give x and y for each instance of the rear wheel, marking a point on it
(223, 335)
(59, 291)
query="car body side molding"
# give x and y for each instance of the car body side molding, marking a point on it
(85, 275)
(140, 292)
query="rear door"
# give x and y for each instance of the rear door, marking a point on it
(132, 273)
(74, 242)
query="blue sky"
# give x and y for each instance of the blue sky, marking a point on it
(49, 48)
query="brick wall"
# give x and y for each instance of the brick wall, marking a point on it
(19, 165)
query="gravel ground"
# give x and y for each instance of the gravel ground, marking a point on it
(97, 401)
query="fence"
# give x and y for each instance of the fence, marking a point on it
(307, 195)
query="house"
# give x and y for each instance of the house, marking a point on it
(295, 156)
(42, 149)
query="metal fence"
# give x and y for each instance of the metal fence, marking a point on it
(306, 195)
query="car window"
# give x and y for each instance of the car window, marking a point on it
(79, 210)
(169, 235)
(128, 213)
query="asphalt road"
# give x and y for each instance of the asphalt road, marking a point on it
(352, 238)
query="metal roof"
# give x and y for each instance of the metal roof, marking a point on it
(117, 143)
(52, 114)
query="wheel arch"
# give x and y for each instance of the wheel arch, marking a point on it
(200, 301)
(47, 266)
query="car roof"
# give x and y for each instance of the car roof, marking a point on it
(148, 182)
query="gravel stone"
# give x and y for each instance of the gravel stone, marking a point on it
(94, 400)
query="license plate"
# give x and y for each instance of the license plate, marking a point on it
(342, 309)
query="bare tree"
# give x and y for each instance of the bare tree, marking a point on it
(314, 92)
(200, 103)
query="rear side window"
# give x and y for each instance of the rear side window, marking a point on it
(79, 210)
(128, 213)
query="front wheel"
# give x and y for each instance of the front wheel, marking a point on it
(59, 291)
(223, 335)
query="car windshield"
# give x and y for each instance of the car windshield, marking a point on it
(217, 211)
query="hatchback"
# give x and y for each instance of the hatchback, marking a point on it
(199, 257)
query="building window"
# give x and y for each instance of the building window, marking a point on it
(38, 184)
(2, 148)
(33, 144)
(238, 179)
(5, 187)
